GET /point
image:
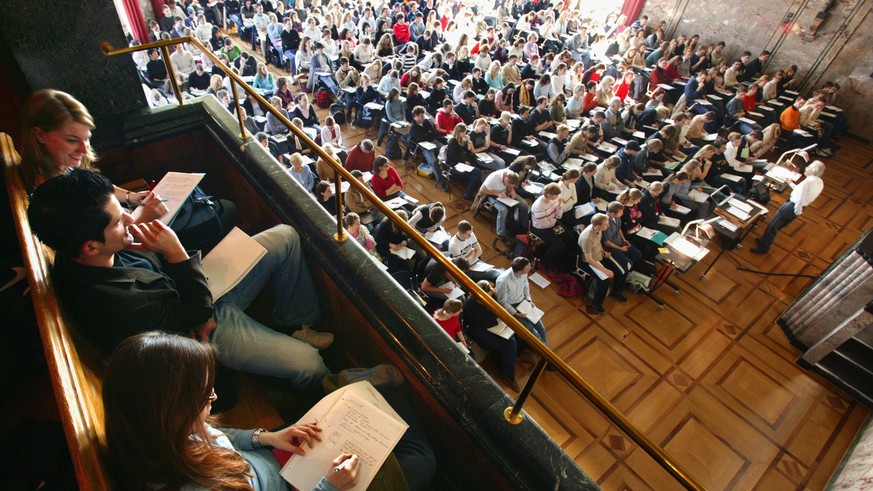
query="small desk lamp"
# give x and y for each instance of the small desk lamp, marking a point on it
(803, 152)
(700, 225)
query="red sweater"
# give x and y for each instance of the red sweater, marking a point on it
(380, 185)
(452, 325)
(401, 33)
(359, 160)
(445, 123)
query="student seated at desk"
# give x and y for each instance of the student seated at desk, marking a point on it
(435, 276)
(716, 170)
(386, 182)
(465, 244)
(429, 218)
(581, 143)
(605, 181)
(595, 258)
(302, 173)
(615, 242)
(545, 213)
(390, 238)
(480, 140)
(513, 289)
(650, 208)
(448, 317)
(357, 231)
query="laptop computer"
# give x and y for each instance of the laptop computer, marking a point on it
(721, 196)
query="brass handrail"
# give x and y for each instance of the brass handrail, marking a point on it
(512, 414)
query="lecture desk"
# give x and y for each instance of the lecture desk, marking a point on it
(674, 257)
(732, 229)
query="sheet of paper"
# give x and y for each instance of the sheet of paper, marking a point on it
(352, 424)
(533, 313)
(539, 280)
(655, 236)
(463, 168)
(455, 293)
(403, 252)
(395, 203)
(731, 177)
(668, 221)
(438, 236)
(698, 196)
(508, 201)
(512, 151)
(175, 188)
(681, 209)
(584, 210)
(481, 266)
(530, 143)
(533, 187)
(501, 329)
(600, 274)
(427, 145)
(230, 261)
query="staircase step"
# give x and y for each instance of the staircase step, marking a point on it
(858, 353)
(848, 376)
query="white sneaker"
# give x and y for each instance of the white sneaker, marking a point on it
(318, 340)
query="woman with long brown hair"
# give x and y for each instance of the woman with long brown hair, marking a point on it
(157, 395)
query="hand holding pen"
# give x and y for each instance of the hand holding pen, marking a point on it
(343, 471)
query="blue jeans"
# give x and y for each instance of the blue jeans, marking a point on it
(519, 211)
(247, 345)
(291, 56)
(538, 329)
(784, 215)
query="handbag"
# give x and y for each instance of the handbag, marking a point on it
(202, 221)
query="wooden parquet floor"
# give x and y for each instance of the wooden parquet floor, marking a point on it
(712, 378)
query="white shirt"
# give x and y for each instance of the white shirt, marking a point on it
(568, 196)
(806, 192)
(459, 247)
(512, 290)
(494, 182)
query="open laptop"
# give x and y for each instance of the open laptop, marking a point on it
(725, 199)
(721, 196)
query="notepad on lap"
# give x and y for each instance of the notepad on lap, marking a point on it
(403, 252)
(584, 210)
(230, 261)
(175, 188)
(501, 329)
(668, 221)
(353, 419)
(532, 312)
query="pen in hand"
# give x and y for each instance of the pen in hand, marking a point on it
(343, 465)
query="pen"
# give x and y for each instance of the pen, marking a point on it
(343, 464)
(152, 185)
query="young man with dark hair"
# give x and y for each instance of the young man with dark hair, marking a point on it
(117, 279)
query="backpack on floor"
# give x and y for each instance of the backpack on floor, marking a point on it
(760, 192)
(322, 99)
(337, 112)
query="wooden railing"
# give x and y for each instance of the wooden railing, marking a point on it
(513, 414)
(75, 383)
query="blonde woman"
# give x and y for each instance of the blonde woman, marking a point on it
(448, 318)
(604, 178)
(605, 91)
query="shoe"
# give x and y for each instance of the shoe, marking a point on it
(383, 376)
(760, 250)
(318, 340)
(526, 357)
(618, 296)
(595, 309)
(512, 384)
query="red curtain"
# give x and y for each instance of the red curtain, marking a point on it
(135, 21)
(157, 6)
(631, 9)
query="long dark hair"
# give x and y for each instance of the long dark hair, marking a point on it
(155, 388)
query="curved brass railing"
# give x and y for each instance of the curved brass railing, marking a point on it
(513, 414)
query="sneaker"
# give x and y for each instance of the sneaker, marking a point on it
(595, 309)
(384, 376)
(512, 384)
(618, 296)
(318, 340)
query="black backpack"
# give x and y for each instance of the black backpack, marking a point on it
(760, 192)
(337, 111)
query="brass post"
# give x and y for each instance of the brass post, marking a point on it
(165, 52)
(513, 413)
(340, 229)
(242, 124)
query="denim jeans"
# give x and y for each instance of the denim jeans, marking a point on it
(247, 345)
(508, 349)
(538, 329)
(519, 211)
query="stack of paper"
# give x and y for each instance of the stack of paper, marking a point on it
(403, 252)
(455, 293)
(501, 329)
(539, 280)
(438, 236)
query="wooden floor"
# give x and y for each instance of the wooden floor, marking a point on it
(712, 378)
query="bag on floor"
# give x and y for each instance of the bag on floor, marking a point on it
(322, 99)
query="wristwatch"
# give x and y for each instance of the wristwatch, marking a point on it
(256, 438)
